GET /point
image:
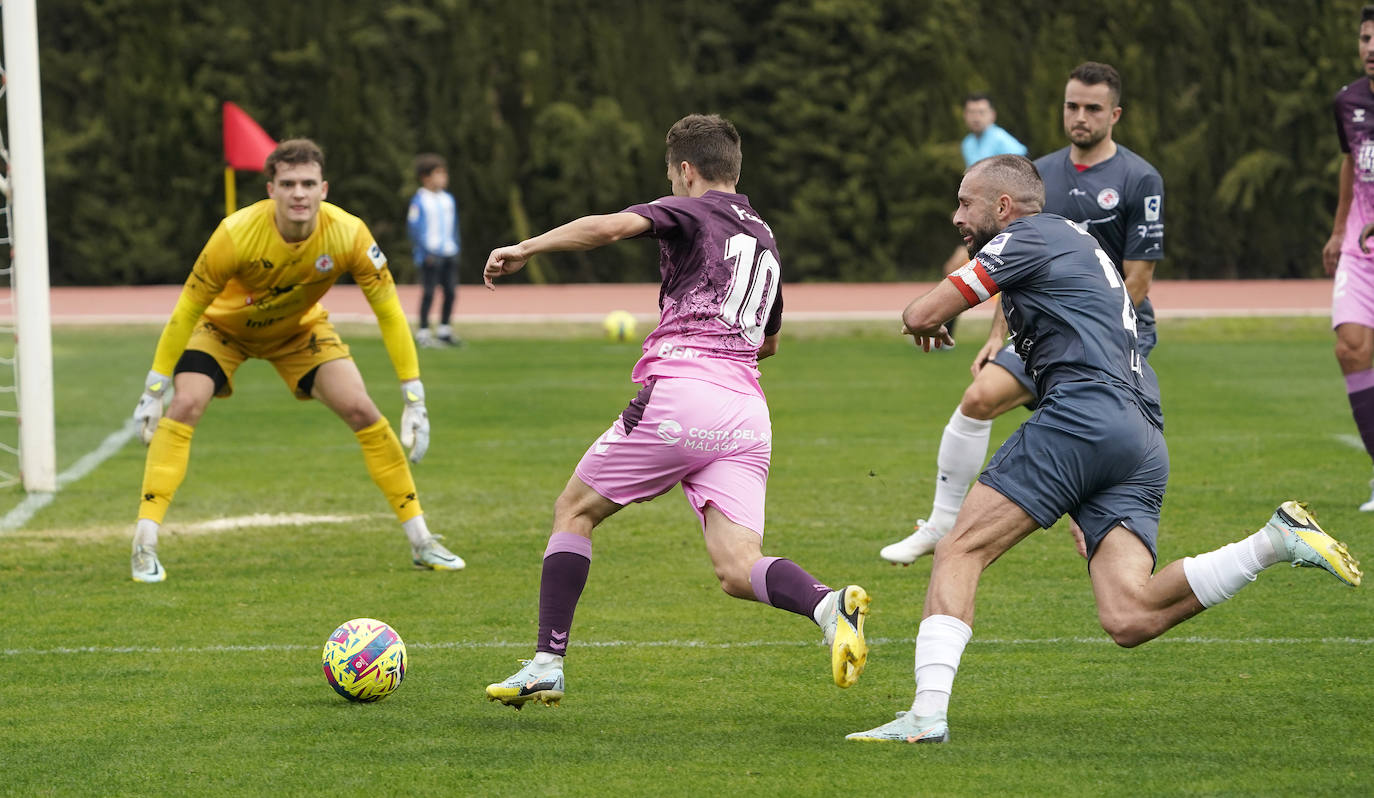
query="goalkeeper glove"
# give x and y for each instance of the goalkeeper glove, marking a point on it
(149, 408)
(414, 420)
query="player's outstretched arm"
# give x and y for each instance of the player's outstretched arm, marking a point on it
(924, 319)
(589, 232)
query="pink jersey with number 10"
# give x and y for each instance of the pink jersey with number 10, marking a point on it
(721, 293)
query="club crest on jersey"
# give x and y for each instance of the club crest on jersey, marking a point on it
(324, 263)
(1108, 198)
(995, 246)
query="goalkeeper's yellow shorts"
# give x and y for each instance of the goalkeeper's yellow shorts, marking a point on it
(294, 357)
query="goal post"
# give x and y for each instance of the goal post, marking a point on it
(29, 218)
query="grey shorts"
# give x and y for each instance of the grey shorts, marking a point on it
(1090, 452)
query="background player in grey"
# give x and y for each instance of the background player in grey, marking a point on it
(1093, 448)
(1119, 197)
(701, 420)
(1346, 254)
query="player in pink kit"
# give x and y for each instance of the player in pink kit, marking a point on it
(701, 419)
(1346, 253)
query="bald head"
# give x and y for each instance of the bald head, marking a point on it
(996, 191)
(1012, 175)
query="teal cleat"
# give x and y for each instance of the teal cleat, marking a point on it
(907, 728)
(1295, 534)
(538, 683)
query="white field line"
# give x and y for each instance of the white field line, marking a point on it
(1353, 441)
(34, 502)
(687, 644)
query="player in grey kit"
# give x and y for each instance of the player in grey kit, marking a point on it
(701, 420)
(1093, 448)
(1119, 197)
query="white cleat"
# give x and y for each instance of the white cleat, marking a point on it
(146, 568)
(907, 728)
(1368, 507)
(918, 544)
(433, 555)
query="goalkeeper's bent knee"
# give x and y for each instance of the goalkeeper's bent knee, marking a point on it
(386, 462)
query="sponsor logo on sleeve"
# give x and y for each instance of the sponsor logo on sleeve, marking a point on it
(1357, 115)
(374, 254)
(1108, 198)
(1152, 205)
(997, 244)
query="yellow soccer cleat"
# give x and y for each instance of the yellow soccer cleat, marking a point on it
(542, 684)
(844, 633)
(1298, 539)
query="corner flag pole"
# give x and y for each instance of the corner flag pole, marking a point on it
(231, 202)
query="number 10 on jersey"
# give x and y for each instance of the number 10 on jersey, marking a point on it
(753, 286)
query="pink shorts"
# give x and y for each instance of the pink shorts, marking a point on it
(1352, 293)
(713, 440)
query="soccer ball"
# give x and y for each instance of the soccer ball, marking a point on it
(619, 325)
(364, 660)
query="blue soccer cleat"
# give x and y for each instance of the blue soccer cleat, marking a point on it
(907, 728)
(1295, 535)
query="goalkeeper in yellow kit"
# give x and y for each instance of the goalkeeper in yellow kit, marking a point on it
(254, 293)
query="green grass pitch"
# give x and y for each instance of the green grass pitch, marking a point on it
(210, 683)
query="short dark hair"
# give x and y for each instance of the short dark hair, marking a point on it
(979, 97)
(1016, 176)
(1094, 73)
(427, 162)
(293, 152)
(709, 143)
(1366, 14)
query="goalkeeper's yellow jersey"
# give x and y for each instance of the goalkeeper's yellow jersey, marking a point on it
(256, 287)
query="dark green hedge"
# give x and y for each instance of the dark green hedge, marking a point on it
(549, 109)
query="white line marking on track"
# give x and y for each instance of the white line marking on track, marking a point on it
(489, 644)
(34, 502)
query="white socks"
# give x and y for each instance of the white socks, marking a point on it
(145, 533)
(821, 613)
(544, 660)
(940, 643)
(417, 530)
(1218, 575)
(963, 448)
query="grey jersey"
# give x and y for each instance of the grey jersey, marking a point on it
(1066, 306)
(1121, 201)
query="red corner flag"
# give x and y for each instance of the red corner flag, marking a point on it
(246, 145)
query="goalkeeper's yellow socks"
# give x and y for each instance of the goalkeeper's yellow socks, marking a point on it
(386, 462)
(165, 469)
